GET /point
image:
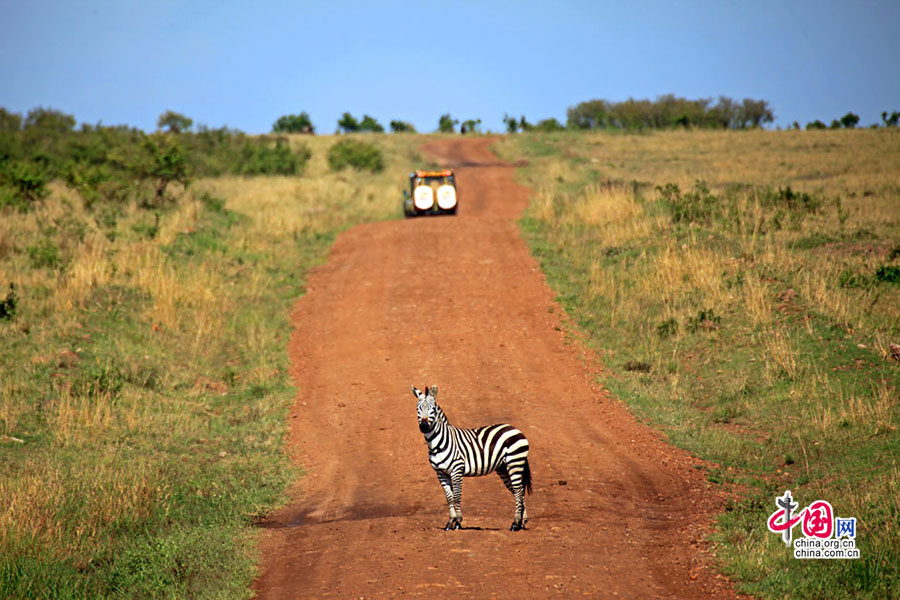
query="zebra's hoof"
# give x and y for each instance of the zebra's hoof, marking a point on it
(453, 525)
(516, 526)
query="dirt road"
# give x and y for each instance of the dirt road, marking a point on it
(459, 303)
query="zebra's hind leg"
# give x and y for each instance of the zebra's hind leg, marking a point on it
(518, 492)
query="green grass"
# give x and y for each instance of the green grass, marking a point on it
(144, 379)
(748, 319)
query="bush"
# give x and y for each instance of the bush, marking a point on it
(161, 161)
(888, 274)
(8, 304)
(402, 127)
(698, 206)
(22, 184)
(355, 154)
(550, 124)
(369, 123)
(260, 157)
(44, 254)
(294, 124)
(447, 124)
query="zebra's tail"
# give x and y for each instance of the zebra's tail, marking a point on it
(526, 476)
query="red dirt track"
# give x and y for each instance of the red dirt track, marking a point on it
(458, 302)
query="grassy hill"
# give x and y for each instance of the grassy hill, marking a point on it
(743, 290)
(144, 377)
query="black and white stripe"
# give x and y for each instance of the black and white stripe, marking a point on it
(455, 453)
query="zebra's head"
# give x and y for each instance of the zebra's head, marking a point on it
(427, 409)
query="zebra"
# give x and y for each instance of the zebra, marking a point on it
(455, 453)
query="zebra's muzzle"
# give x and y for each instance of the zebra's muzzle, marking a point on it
(425, 426)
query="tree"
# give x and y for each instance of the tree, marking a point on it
(369, 123)
(402, 127)
(550, 124)
(725, 113)
(174, 122)
(447, 124)
(892, 120)
(348, 123)
(524, 125)
(10, 121)
(849, 120)
(294, 124)
(161, 161)
(470, 125)
(50, 120)
(592, 114)
(512, 125)
(754, 112)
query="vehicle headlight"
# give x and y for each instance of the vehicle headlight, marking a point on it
(446, 197)
(423, 197)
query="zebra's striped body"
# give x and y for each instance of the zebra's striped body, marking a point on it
(455, 453)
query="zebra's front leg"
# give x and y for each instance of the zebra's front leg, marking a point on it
(457, 478)
(447, 485)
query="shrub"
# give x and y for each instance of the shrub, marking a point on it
(667, 328)
(550, 124)
(698, 206)
(706, 320)
(888, 274)
(10, 121)
(161, 161)
(355, 154)
(470, 125)
(447, 124)
(512, 125)
(25, 183)
(348, 123)
(402, 127)
(294, 124)
(44, 254)
(850, 120)
(9, 303)
(369, 123)
(261, 157)
(49, 120)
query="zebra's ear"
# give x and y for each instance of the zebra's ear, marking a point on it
(416, 392)
(433, 391)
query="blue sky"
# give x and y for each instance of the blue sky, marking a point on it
(244, 64)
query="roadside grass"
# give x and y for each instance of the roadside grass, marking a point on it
(748, 314)
(144, 379)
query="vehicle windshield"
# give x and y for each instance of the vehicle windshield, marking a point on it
(430, 181)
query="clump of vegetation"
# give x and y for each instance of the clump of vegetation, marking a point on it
(294, 124)
(349, 124)
(668, 112)
(447, 124)
(402, 127)
(355, 155)
(263, 157)
(9, 303)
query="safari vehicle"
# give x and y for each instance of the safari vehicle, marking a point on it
(430, 193)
